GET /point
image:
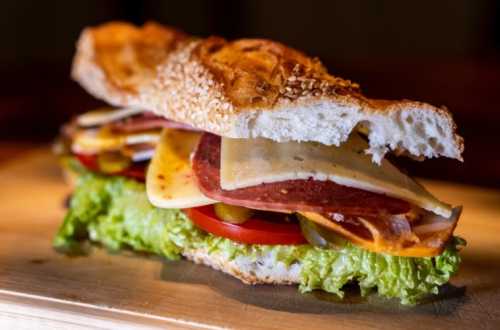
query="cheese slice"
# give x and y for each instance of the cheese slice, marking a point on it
(170, 180)
(105, 115)
(250, 162)
(141, 155)
(100, 140)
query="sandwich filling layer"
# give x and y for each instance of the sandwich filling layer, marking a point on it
(192, 169)
(264, 212)
(115, 212)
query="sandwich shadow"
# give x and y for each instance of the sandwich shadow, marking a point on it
(288, 299)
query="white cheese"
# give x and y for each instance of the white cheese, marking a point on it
(170, 180)
(105, 115)
(100, 140)
(139, 156)
(250, 162)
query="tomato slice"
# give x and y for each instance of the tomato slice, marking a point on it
(135, 171)
(89, 161)
(253, 231)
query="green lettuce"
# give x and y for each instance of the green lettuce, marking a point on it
(408, 279)
(115, 212)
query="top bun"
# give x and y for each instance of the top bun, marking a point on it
(251, 88)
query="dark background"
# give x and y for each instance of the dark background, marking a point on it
(442, 52)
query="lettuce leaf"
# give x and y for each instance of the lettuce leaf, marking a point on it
(115, 212)
(408, 279)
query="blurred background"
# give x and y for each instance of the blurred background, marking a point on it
(442, 52)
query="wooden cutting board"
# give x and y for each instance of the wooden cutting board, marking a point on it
(40, 286)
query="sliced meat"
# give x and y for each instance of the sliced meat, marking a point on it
(292, 195)
(393, 234)
(146, 122)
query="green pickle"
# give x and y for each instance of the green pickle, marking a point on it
(113, 162)
(232, 214)
(318, 235)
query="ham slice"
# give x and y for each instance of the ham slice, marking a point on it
(290, 195)
(393, 234)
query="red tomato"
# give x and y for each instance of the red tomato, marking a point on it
(89, 161)
(137, 172)
(253, 231)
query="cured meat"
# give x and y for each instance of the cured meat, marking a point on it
(393, 234)
(146, 122)
(292, 195)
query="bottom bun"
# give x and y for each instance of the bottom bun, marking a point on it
(263, 269)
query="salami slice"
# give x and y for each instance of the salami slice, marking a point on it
(146, 122)
(291, 195)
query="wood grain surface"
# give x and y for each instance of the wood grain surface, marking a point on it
(41, 287)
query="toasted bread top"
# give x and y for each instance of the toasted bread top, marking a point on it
(251, 88)
(255, 73)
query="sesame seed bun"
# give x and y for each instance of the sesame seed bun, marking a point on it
(251, 88)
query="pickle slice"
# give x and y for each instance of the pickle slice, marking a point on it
(112, 162)
(232, 214)
(318, 235)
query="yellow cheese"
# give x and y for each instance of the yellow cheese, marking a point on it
(100, 140)
(170, 180)
(249, 162)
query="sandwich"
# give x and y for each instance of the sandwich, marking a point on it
(249, 157)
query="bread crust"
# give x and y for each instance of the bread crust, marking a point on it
(249, 88)
(259, 73)
(114, 60)
(263, 270)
